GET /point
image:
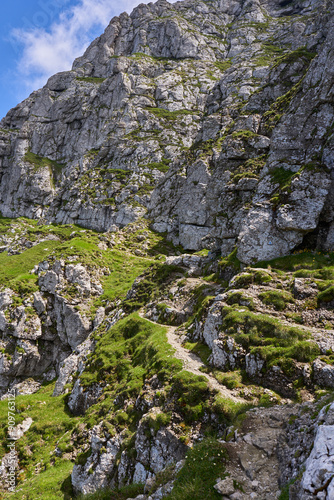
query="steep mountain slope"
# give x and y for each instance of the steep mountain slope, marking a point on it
(191, 140)
(233, 99)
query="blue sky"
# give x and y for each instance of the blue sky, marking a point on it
(41, 37)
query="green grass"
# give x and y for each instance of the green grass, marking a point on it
(156, 244)
(223, 65)
(151, 283)
(241, 299)
(201, 350)
(279, 299)
(162, 166)
(229, 411)
(260, 26)
(124, 267)
(279, 107)
(251, 276)
(267, 337)
(205, 462)
(325, 274)
(249, 169)
(271, 49)
(123, 273)
(244, 135)
(119, 174)
(296, 55)
(54, 483)
(270, 53)
(169, 115)
(127, 353)
(326, 295)
(305, 261)
(41, 162)
(256, 327)
(282, 176)
(232, 380)
(52, 426)
(201, 298)
(193, 395)
(285, 493)
(125, 356)
(90, 79)
(14, 269)
(231, 261)
(124, 493)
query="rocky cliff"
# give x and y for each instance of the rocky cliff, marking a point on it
(166, 260)
(213, 118)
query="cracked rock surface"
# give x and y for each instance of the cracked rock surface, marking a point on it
(212, 118)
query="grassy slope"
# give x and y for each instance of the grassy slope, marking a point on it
(52, 426)
(134, 350)
(50, 415)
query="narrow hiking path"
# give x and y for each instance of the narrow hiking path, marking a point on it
(193, 363)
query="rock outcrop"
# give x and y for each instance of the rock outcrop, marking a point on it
(44, 334)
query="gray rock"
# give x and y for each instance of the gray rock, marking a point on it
(99, 317)
(195, 202)
(39, 303)
(225, 487)
(323, 374)
(302, 288)
(77, 274)
(6, 298)
(319, 467)
(19, 430)
(254, 365)
(259, 239)
(48, 282)
(305, 203)
(93, 475)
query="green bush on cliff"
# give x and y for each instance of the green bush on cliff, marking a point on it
(326, 295)
(302, 263)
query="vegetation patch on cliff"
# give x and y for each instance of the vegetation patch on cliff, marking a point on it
(267, 337)
(205, 462)
(39, 162)
(42, 472)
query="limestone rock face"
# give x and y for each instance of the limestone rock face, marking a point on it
(103, 460)
(319, 465)
(212, 118)
(153, 454)
(47, 334)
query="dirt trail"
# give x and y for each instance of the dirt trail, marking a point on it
(193, 363)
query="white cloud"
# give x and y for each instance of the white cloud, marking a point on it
(48, 51)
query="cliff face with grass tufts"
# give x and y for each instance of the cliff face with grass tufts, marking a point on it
(166, 260)
(212, 118)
